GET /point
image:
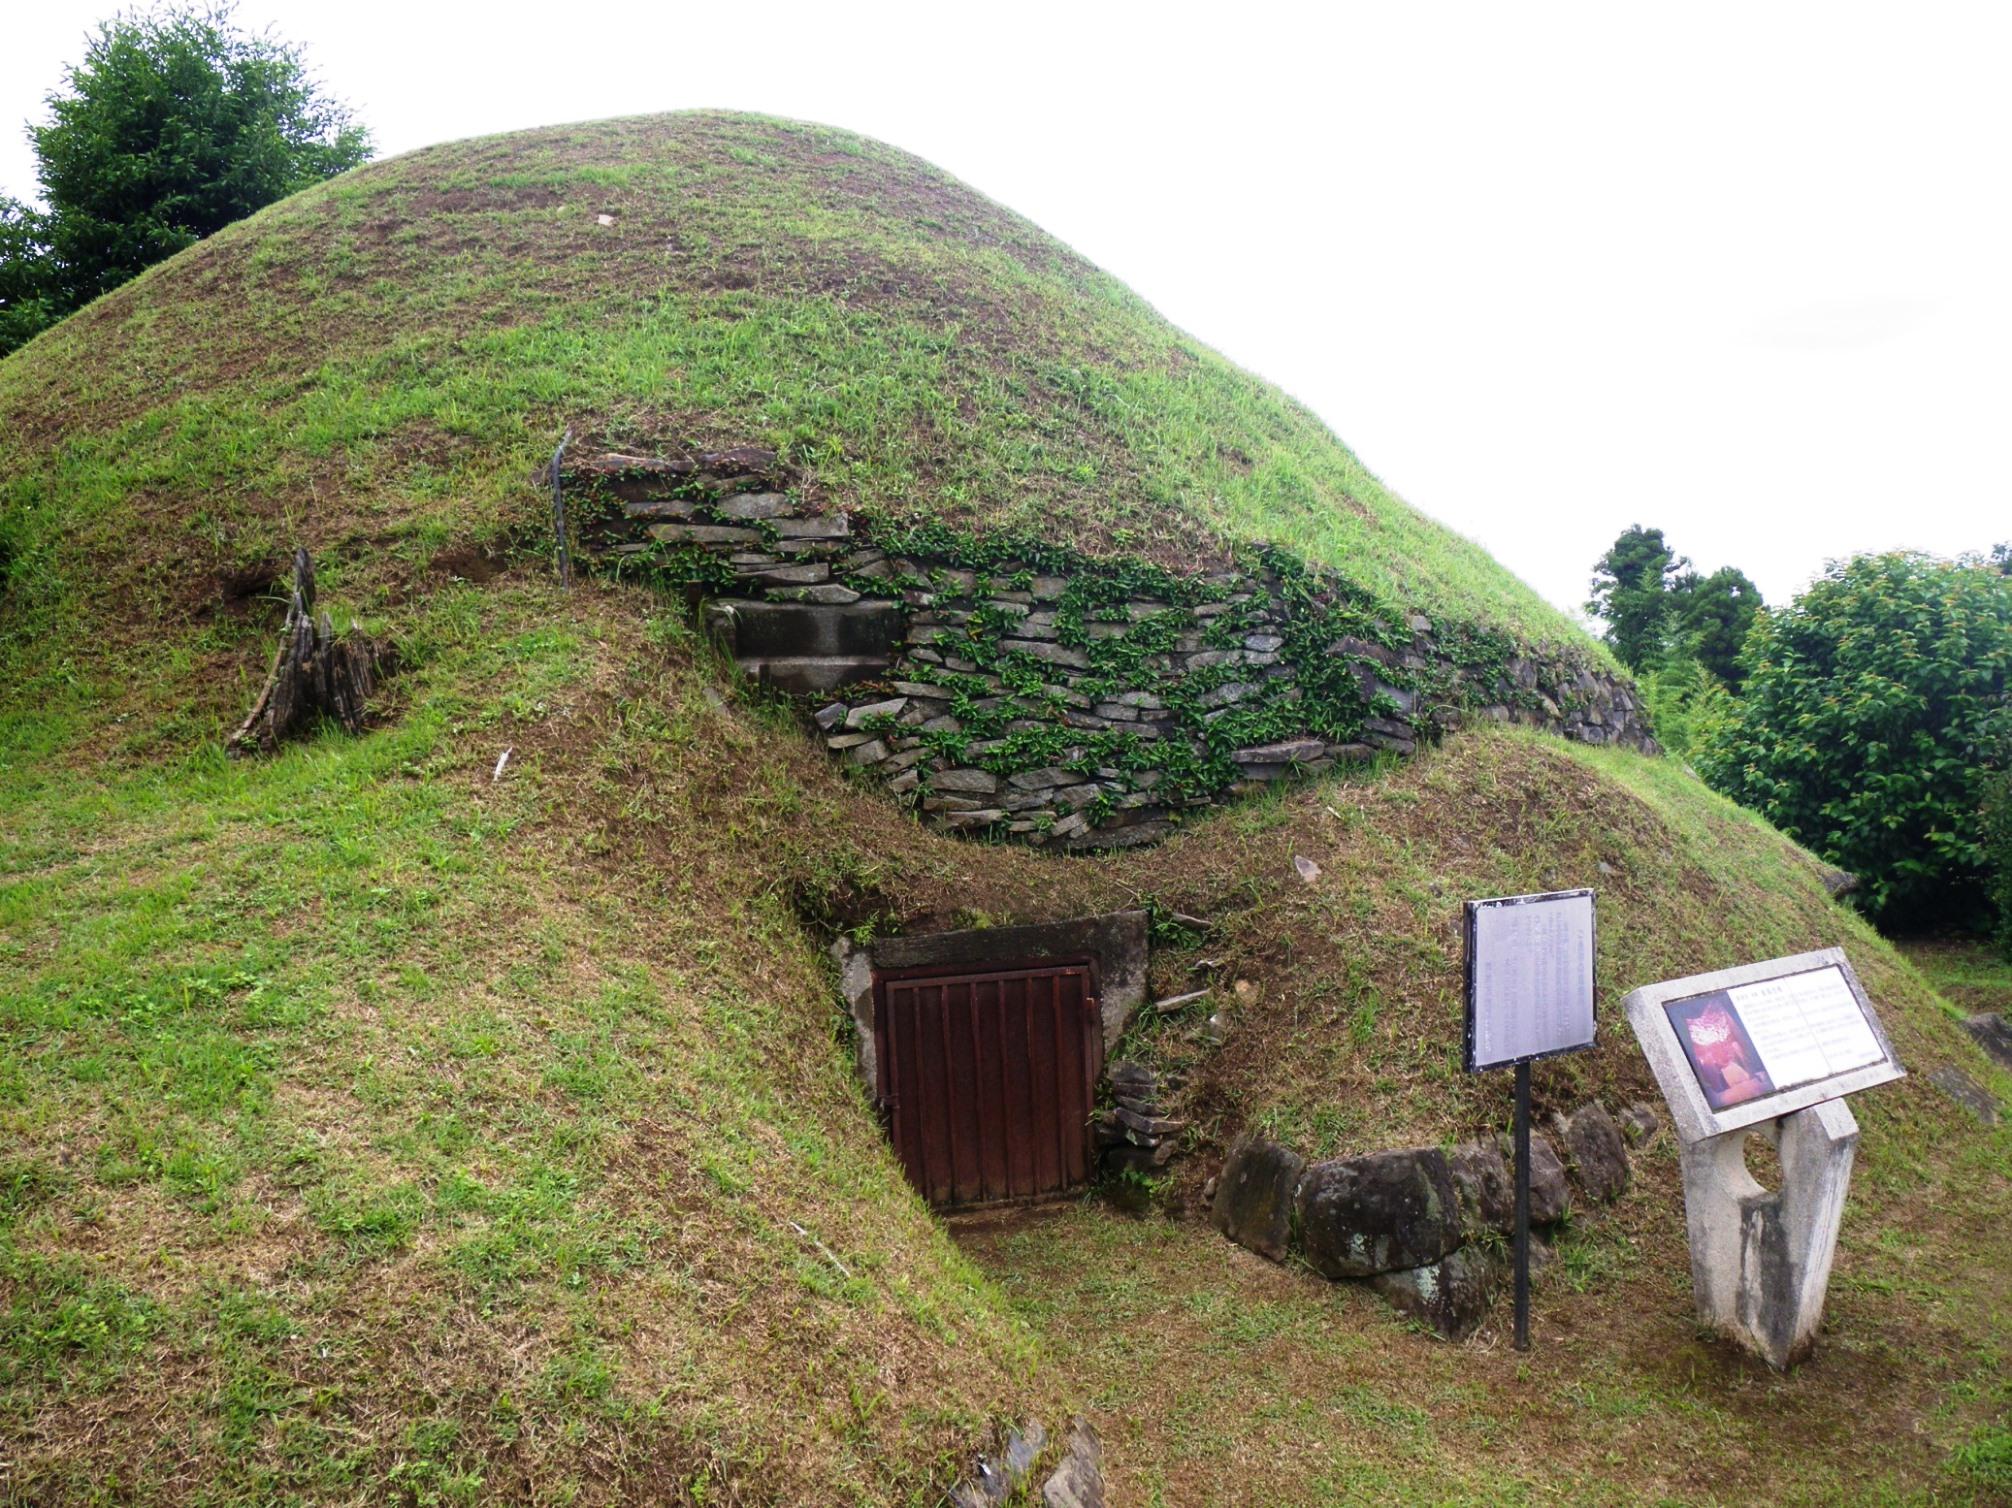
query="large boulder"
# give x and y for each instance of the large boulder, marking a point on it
(1363, 1215)
(1254, 1196)
(1485, 1188)
(1550, 1195)
(1450, 1296)
(1599, 1156)
(1967, 1092)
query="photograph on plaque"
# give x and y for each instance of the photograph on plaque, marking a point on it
(1721, 1053)
(1753, 1040)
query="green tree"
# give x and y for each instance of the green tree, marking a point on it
(173, 126)
(26, 273)
(1874, 706)
(1712, 616)
(1631, 592)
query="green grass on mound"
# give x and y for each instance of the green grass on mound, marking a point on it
(379, 1127)
(391, 355)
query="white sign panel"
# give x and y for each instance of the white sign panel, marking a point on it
(1752, 1043)
(1529, 977)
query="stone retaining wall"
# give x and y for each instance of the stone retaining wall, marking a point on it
(1013, 688)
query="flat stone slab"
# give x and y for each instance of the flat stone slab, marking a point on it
(782, 575)
(1043, 779)
(1054, 654)
(1993, 1033)
(703, 534)
(752, 505)
(865, 714)
(1254, 1196)
(1968, 1093)
(1289, 751)
(615, 463)
(1363, 1215)
(981, 782)
(827, 526)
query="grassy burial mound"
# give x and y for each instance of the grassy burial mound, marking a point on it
(391, 1119)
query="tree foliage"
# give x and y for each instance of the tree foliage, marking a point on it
(1687, 705)
(1997, 811)
(26, 304)
(173, 126)
(1873, 710)
(1712, 617)
(1631, 592)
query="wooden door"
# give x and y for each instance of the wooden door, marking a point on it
(988, 1080)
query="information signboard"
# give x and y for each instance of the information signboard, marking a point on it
(1746, 1045)
(1529, 977)
(1529, 996)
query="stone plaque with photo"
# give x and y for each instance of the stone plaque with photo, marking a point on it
(1749, 1044)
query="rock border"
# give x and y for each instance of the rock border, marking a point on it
(1416, 1222)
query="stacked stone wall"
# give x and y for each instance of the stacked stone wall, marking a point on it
(1073, 702)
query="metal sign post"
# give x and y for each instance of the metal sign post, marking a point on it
(1523, 1206)
(1529, 996)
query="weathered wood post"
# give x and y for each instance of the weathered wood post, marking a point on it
(313, 672)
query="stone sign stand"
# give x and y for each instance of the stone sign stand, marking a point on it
(1761, 1259)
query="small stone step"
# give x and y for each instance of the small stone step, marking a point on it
(805, 673)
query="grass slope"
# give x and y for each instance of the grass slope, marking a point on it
(375, 1127)
(1342, 1035)
(393, 353)
(379, 1129)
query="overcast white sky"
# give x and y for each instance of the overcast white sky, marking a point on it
(1741, 271)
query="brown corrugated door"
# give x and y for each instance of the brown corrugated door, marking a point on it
(988, 1080)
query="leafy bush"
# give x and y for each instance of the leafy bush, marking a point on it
(1998, 841)
(1687, 705)
(1873, 712)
